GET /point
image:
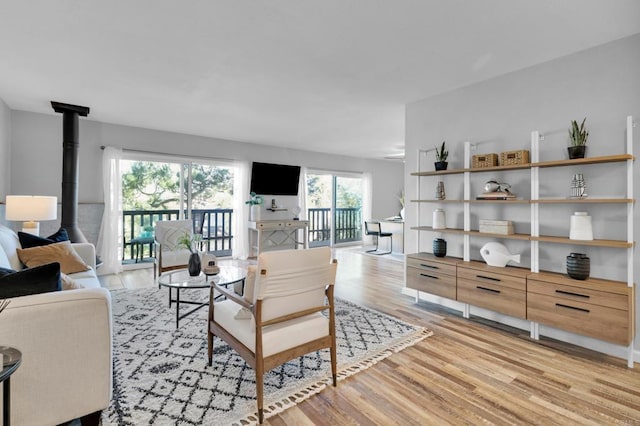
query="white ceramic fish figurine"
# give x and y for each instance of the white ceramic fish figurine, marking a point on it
(496, 254)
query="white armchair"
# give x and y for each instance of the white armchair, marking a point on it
(169, 254)
(285, 298)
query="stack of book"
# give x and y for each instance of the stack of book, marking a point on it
(498, 195)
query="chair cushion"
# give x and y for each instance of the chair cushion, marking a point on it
(175, 258)
(276, 338)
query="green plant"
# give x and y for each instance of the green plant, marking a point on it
(255, 199)
(442, 154)
(147, 228)
(190, 241)
(578, 135)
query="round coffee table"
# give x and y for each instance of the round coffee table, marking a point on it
(180, 279)
(11, 359)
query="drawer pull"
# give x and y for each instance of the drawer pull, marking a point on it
(568, 293)
(488, 289)
(560, 305)
(429, 276)
(488, 278)
(428, 266)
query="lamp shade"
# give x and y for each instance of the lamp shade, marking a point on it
(31, 207)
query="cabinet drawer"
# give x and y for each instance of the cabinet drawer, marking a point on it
(609, 324)
(580, 294)
(488, 277)
(493, 295)
(430, 265)
(433, 282)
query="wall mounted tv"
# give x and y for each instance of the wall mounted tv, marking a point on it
(274, 179)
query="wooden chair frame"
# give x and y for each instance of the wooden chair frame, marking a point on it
(256, 360)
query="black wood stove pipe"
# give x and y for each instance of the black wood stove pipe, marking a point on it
(69, 219)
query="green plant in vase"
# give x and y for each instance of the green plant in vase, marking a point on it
(254, 201)
(441, 157)
(578, 136)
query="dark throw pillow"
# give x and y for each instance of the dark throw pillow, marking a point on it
(30, 240)
(40, 279)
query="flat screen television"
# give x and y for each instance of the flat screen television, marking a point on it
(274, 179)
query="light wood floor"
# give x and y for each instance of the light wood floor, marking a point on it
(469, 372)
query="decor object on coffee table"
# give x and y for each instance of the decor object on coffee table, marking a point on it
(30, 209)
(578, 136)
(496, 254)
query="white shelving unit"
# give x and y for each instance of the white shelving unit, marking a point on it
(535, 203)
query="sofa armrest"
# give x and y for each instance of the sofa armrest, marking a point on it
(66, 342)
(87, 252)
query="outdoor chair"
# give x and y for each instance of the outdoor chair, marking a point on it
(170, 254)
(279, 316)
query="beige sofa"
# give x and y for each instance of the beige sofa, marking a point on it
(66, 339)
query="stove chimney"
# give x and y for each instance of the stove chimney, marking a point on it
(69, 216)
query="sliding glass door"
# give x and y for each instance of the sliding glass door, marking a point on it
(334, 203)
(154, 190)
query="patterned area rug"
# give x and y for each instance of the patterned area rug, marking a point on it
(161, 374)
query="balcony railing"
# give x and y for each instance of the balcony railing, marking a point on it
(348, 226)
(215, 225)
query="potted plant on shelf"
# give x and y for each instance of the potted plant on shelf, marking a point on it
(578, 136)
(441, 157)
(254, 202)
(190, 242)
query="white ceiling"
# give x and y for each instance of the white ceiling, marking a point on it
(323, 75)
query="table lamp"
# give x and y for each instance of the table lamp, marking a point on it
(30, 209)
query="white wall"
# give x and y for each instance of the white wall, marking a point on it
(36, 156)
(5, 149)
(601, 84)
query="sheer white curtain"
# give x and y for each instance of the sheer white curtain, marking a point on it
(367, 196)
(240, 245)
(302, 193)
(110, 238)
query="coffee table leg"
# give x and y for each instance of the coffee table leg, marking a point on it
(177, 307)
(6, 401)
(170, 296)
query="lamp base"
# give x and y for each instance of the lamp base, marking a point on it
(31, 228)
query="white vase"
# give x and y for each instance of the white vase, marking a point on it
(254, 213)
(580, 228)
(439, 219)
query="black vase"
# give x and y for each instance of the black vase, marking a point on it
(194, 265)
(439, 247)
(578, 266)
(441, 165)
(577, 151)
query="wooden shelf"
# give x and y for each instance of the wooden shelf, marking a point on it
(439, 172)
(584, 201)
(557, 163)
(589, 160)
(594, 243)
(527, 237)
(542, 201)
(474, 233)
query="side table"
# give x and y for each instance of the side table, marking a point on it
(11, 358)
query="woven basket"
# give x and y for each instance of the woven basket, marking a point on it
(484, 160)
(514, 158)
